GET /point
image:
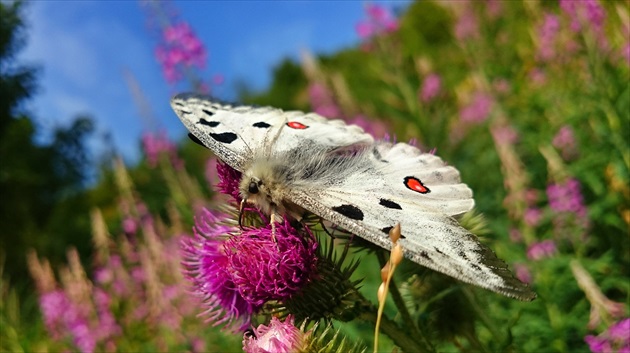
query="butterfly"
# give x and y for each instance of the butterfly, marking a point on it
(292, 162)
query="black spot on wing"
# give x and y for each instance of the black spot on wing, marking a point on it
(425, 255)
(196, 140)
(208, 123)
(179, 104)
(350, 211)
(261, 124)
(390, 204)
(438, 251)
(225, 137)
(210, 113)
(475, 266)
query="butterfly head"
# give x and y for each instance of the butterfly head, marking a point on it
(261, 186)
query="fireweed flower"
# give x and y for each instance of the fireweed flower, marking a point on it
(206, 267)
(541, 250)
(467, 25)
(564, 140)
(154, 144)
(180, 49)
(278, 337)
(522, 273)
(322, 101)
(615, 339)
(567, 201)
(379, 20)
(533, 216)
(431, 87)
(478, 109)
(547, 34)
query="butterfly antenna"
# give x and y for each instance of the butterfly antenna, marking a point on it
(275, 139)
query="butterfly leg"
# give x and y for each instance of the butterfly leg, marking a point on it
(240, 214)
(274, 219)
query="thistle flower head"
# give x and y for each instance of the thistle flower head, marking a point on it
(206, 267)
(277, 337)
(266, 266)
(229, 180)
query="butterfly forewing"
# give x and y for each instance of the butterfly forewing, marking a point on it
(237, 134)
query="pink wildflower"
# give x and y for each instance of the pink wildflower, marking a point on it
(522, 273)
(564, 140)
(206, 267)
(278, 337)
(615, 339)
(541, 250)
(431, 87)
(264, 267)
(478, 109)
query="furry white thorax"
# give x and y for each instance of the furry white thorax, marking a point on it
(298, 169)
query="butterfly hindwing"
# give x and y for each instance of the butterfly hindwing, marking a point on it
(370, 201)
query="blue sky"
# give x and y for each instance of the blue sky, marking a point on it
(83, 48)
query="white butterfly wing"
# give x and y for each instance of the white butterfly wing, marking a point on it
(421, 193)
(237, 134)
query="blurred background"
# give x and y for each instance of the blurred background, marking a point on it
(530, 100)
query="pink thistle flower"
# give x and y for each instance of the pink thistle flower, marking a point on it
(541, 250)
(265, 268)
(431, 87)
(278, 337)
(229, 180)
(479, 108)
(206, 267)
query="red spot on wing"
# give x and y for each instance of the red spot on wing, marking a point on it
(296, 125)
(414, 184)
